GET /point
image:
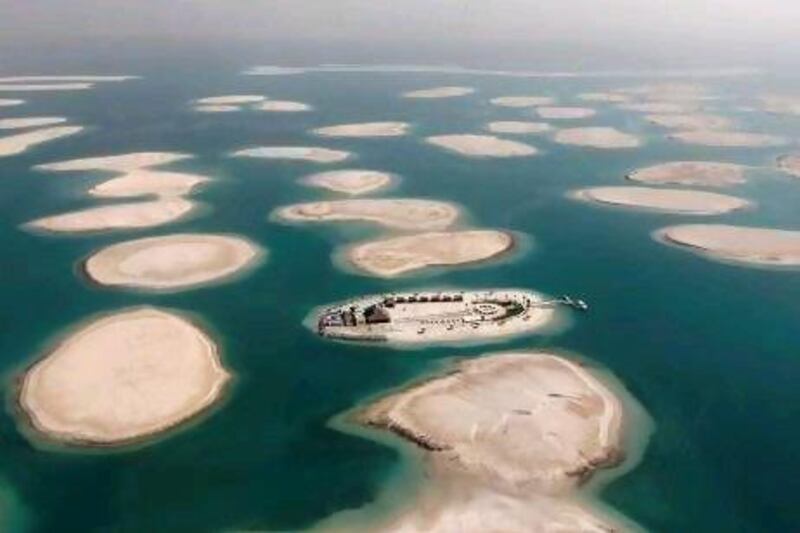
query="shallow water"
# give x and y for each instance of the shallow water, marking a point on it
(710, 350)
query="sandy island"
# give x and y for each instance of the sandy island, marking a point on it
(21, 142)
(728, 139)
(7, 102)
(597, 137)
(518, 127)
(672, 91)
(692, 173)
(233, 99)
(781, 104)
(522, 101)
(295, 153)
(612, 98)
(217, 108)
(36, 87)
(117, 216)
(115, 163)
(565, 113)
(350, 181)
(366, 129)
(507, 440)
(440, 92)
(171, 262)
(739, 244)
(400, 255)
(29, 122)
(123, 377)
(399, 213)
(690, 122)
(660, 108)
(282, 106)
(790, 164)
(482, 145)
(681, 201)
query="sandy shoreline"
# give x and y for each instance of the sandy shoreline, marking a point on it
(350, 181)
(679, 201)
(481, 145)
(691, 173)
(597, 137)
(22, 142)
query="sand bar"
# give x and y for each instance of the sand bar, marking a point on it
(29, 122)
(680, 201)
(482, 145)
(739, 244)
(690, 122)
(7, 102)
(790, 164)
(21, 142)
(691, 173)
(409, 214)
(148, 183)
(400, 255)
(295, 153)
(522, 101)
(440, 92)
(116, 163)
(350, 181)
(118, 216)
(728, 139)
(518, 127)
(366, 129)
(565, 113)
(597, 137)
(232, 99)
(123, 377)
(282, 106)
(613, 98)
(35, 87)
(660, 108)
(171, 262)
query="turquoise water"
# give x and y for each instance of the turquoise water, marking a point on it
(710, 350)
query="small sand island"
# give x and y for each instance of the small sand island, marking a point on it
(565, 113)
(518, 127)
(660, 108)
(728, 139)
(8, 102)
(123, 378)
(115, 163)
(408, 214)
(440, 92)
(295, 153)
(350, 181)
(790, 164)
(171, 262)
(118, 216)
(29, 122)
(522, 101)
(597, 137)
(233, 99)
(366, 129)
(38, 87)
(440, 316)
(21, 142)
(282, 106)
(610, 98)
(690, 122)
(680, 201)
(738, 244)
(482, 145)
(672, 91)
(691, 173)
(508, 439)
(781, 104)
(400, 255)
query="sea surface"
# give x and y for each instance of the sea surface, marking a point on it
(710, 350)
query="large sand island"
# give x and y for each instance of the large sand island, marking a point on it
(122, 378)
(400, 255)
(118, 216)
(738, 244)
(565, 113)
(597, 137)
(440, 92)
(482, 145)
(790, 164)
(522, 101)
(691, 173)
(728, 139)
(507, 440)
(409, 214)
(350, 181)
(21, 142)
(518, 127)
(295, 153)
(681, 201)
(696, 121)
(116, 163)
(29, 122)
(172, 262)
(366, 129)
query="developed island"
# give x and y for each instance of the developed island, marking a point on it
(565, 113)
(350, 181)
(295, 153)
(21, 142)
(440, 92)
(728, 139)
(597, 137)
(518, 127)
(400, 255)
(737, 244)
(440, 316)
(122, 378)
(482, 145)
(521, 101)
(790, 164)
(172, 262)
(691, 173)
(366, 129)
(681, 201)
(408, 214)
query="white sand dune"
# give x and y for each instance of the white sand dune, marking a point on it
(21, 142)
(597, 137)
(116, 163)
(29, 122)
(565, 113)
(728, 139)
(8, 102)
(690, 122)
(518, 127)
(440, 92)
(365, 129)
(522, 101)
(171, 262)
(122, 378)
(790, 164)
(295, 153)
(482, 145)
(691, 173)
(282, 106)
(680, 201)
(350, 181)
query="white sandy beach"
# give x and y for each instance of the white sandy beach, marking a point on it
(691, 173)
(366, 129)
(408, 214)
(482, 145)
(790, 164)
(695, 121)
(400, 255)
(518, 127)
(679, 201)
(728, 139)
(282, 106)
(295, 153)
(522, 101)
(171, 262)
(350, 181)
(21, 142)
(597, 137)
(440, 92)
(123, 377)
(29, 122)
(565, 113)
